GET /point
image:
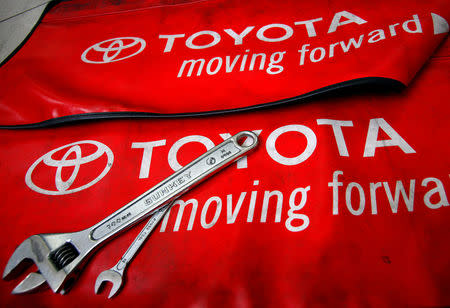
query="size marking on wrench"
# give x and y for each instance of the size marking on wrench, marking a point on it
(115, 274)
(57, 255)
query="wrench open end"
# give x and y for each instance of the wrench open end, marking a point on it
(108, 276)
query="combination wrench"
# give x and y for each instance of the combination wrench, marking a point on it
(115, 274)
(59, 257)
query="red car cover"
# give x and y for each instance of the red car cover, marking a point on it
(344, 202)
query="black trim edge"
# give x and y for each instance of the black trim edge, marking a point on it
(363, 83)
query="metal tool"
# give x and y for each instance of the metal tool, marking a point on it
(35, 280)
(60, 256)
(115, 274)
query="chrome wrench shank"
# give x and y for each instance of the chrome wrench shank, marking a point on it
(59, 256)
(115, 274)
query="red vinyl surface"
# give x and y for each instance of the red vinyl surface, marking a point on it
(88, 57)
(343, 204)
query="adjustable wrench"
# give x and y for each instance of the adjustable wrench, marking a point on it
(59, 256)
(35, 280)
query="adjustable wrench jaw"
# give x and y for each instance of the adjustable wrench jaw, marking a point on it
(57, 256)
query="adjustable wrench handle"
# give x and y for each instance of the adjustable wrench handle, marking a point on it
(175, 185)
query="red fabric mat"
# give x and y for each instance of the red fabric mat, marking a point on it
(343, 204)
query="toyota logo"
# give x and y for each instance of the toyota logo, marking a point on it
(66, 166)
(113, 50)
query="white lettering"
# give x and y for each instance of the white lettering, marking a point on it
(290, 161)
(275, 69)
(321, 56)
(351, 18)
(335, 184)
(372, 141)
(218, 202)
(309, 26)
(351, 42)
(238, 37)
(170, 40)
(392, 29)
(302, 53)
(230, 66)
(191, 68)
(265, 206)
(262, 61)
(416, 22)
(288, 33)
(376, 35)
(409, 200)
(232, 214)
(439, 189)
(181, 205)
(214, 35)
(373, 196)
(251, 207)
(348, 198)
(147, 155)
(332, 49)
(337, 131)
(218, 66)
(294, 207)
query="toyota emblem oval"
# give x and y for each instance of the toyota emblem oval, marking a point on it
(71, 160)
(113, 50)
